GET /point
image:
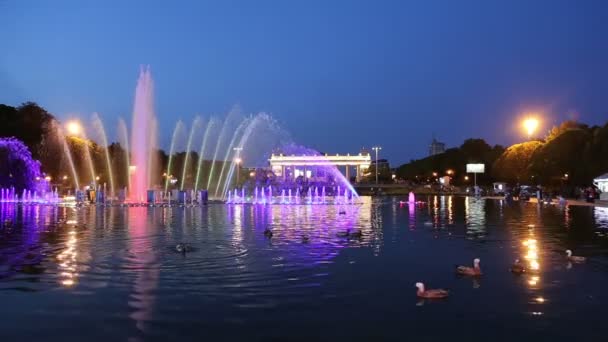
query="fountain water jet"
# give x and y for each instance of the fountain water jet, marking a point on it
(201, 155)
(178, 127)
(98, 125)
(195, 125)
(124, 135)
(143, 137)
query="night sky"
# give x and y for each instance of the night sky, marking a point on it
(338, 75)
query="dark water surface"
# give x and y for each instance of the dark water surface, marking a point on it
(111, 274)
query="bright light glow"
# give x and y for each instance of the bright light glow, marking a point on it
(476, 168)
(530, 125)
(450, 172)
(466, 178)
(238, 160)
(540, 299)
(47, 178)
(65, 177)
(533, 280)
(73, 127)
(251, 174)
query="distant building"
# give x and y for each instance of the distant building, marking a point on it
(602, 184)
(436, 147)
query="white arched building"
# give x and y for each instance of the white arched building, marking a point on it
(313, 167)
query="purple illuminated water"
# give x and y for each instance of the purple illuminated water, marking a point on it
(18, 170)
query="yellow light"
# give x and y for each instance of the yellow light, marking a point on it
(238, 160)
(534, 265)
(251, 174)
(466, 178)
(533, 280)
(97, 178)
(449, 172)
(540, 300)
(65, 177)
(68, 282)
(47, 178)
(530, 125)
(434, 174)
(73, 127)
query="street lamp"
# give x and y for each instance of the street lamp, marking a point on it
(73, 127)
(530, 125)
(376, 148)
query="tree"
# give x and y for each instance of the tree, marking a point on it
(513, 165)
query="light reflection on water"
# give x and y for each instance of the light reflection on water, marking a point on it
(92, 264)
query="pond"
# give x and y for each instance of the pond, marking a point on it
(113, 273)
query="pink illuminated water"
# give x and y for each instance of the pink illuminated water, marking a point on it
(143, 137)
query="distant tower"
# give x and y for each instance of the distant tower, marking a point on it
(436, 147)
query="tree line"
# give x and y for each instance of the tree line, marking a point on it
(572, 154)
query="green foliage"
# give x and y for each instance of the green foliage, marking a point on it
(455, 159)
(572, 149)
(512, 165)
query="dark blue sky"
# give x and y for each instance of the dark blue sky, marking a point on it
(337, 74)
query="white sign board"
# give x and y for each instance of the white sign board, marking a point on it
(475, 168)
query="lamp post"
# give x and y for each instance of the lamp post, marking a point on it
(376, 148)
(238, 161)
(73, 127)
(530, 125)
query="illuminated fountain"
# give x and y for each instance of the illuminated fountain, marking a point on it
(204, 156)
(20, 178)
(411, 200)
(265, 195)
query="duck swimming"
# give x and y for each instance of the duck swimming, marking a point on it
(470, 271)
(305, 239)
(343, 234)
(183, 248)
(433, 293)
(356, 234)
(268, 233)
(575, 258)
(517, 267)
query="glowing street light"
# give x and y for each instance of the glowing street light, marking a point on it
(376, 148)
(73, 127)
(450, 172)
(530, 125)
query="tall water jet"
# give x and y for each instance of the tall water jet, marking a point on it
(234, 112)
(68, 154)
(193, 129)
(153, 160)
(124, 137)
(143, 139)
(229, 150)
(87, 154)
(250, 125)
(176, 130)
(98, 125)
(201, 155)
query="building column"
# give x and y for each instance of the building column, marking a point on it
(348, 173)
(283, 174)
(358, 173)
